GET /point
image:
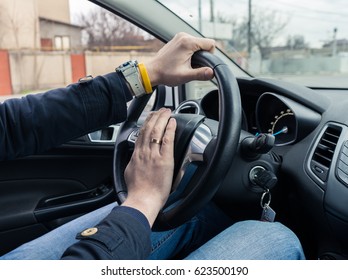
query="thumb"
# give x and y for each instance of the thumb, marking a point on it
(203, 73)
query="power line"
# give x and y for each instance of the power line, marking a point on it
(313, 17)
(307, 16)
(311, 9)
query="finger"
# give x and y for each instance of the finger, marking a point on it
(195, 43)
(202, 73)
(167, 148)
(159, 128)
(146, 128)
(205, 44)
(142, 130)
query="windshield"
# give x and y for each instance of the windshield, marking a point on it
(299, 41)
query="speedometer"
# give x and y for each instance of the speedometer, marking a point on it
(276, 118)
(282, 125)
(288, 120)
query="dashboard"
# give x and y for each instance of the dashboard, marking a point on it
(288, 121)
(311, 142)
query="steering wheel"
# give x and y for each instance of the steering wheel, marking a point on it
(203, 148)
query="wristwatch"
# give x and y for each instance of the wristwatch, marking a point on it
(132, 76)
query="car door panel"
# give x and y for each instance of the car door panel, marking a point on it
(39, 193)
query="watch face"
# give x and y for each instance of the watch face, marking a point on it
(127, 65)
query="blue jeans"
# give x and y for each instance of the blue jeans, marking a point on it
(199, 238)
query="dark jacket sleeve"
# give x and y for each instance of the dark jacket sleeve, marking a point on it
(35, 123)
(123, 235)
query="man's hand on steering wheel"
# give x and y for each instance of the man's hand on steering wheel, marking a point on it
(171, 65)
(149, 173)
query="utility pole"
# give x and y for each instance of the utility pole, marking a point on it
(200, 16)
(249, 28)
(212, 18)
(334, 43)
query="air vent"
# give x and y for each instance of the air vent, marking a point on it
(323, 154)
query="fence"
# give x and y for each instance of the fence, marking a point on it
(23, 71)
(26, 71)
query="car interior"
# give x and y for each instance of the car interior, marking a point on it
(261, 136)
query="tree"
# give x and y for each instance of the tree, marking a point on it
(105, 30)
(237, 42)
(265, 26)
(296, 42)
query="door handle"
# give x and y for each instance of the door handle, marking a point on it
(105, 135)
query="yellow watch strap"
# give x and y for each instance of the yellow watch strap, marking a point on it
(145, 77)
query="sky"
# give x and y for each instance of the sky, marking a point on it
(316, 20)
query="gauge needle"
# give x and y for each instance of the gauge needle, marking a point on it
(283, 130)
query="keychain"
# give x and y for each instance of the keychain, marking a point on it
(268, 214)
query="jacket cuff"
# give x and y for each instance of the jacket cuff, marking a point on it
(135, 214)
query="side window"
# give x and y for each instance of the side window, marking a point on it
(46, 44)
(109, 40)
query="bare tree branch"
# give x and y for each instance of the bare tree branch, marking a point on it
(266, 25)
(104, 29)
